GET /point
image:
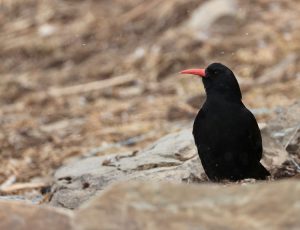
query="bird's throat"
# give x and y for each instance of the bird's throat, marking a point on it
(214, 95)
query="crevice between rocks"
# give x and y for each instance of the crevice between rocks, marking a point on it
(155, 165)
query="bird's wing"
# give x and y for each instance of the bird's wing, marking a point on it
(254, 136)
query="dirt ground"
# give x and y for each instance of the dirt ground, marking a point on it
(94, 77)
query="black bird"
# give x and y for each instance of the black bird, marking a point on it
(225, 132)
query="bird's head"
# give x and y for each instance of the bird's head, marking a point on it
(218, 80)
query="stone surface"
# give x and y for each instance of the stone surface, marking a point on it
(172, 158)
(293, 146)
(142, 198)
(22, 216)
(285, 129)
(274, 152)
(286, 124)
(136, 205)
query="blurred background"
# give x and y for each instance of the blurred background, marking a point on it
(82, 78)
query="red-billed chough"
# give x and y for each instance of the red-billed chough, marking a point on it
(226, 133)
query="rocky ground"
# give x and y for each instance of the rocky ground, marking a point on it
(164, 186)
(141, 205)
(174, 158)
(90, 96)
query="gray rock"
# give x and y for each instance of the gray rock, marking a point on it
(136, 205)
(274, 154)
(293, 146)
(172, 158)
(285, 129)
(287, 123)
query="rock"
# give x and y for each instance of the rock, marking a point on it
(22, 216)
(285, 130)
(152, 205)
(293, 146)
(285, 126)
(172, 158)
(274, 154)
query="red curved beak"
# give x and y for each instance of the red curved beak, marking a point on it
(198, 72)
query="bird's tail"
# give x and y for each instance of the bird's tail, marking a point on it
(260, 172)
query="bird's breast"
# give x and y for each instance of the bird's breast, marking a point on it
(219, 124)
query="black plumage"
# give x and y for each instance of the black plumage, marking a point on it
(226, 133)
